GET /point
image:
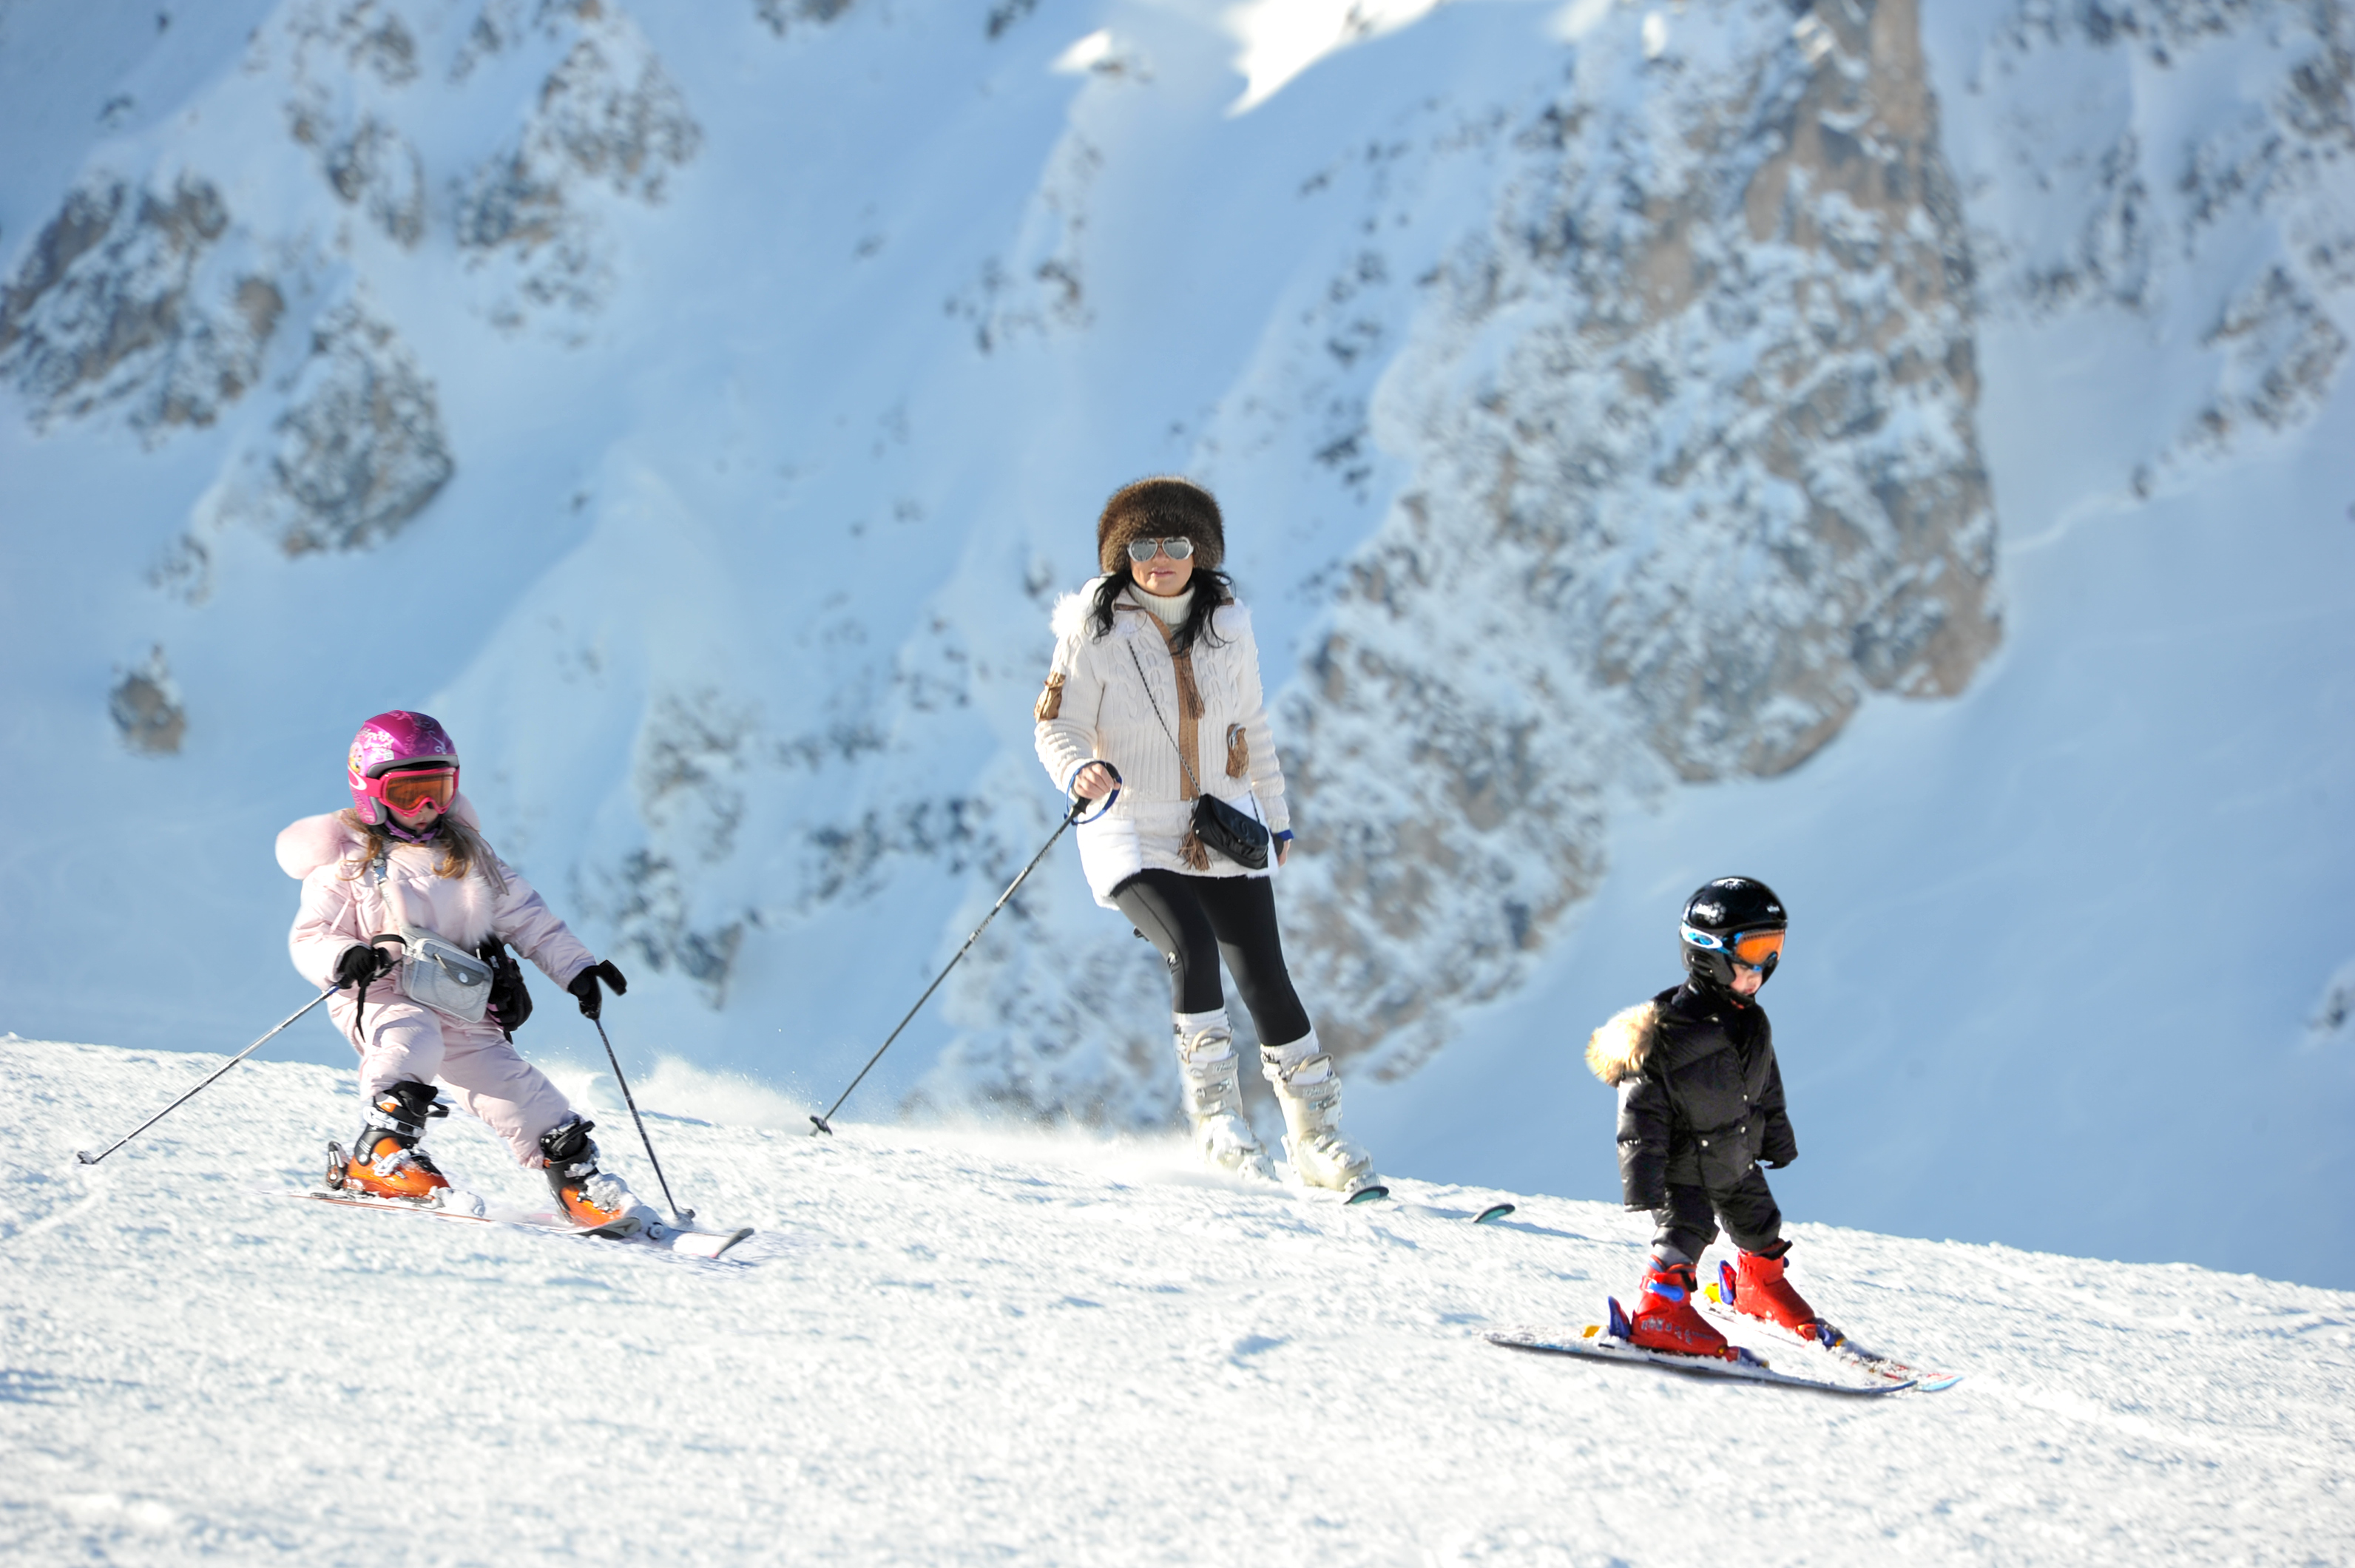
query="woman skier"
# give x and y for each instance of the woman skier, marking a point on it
(398, 892)
(1153, 702)
(1700, 1106)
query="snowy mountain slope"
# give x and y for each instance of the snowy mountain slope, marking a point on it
(2057, 975)
(698, 406)
(957, 1348)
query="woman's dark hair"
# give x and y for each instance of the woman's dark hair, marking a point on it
(1212, 587)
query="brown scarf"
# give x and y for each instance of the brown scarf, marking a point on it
(1189, 739)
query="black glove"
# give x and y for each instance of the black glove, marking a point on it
(360, 964)
(510, 1003)
(583, 986)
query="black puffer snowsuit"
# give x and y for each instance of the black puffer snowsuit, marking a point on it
(1700, 1104)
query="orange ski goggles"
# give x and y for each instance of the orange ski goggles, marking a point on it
(1750, 949)
(405, 793)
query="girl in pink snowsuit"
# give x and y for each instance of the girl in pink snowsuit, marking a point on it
(405, 865)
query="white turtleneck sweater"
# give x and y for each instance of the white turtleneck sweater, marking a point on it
(1171, 609)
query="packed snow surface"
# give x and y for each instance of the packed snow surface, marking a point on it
(952, 1346)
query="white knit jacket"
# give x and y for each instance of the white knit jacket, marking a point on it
(1104, 713)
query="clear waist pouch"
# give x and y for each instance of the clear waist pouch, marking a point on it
(443, 975)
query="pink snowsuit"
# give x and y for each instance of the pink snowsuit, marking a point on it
(346, 901)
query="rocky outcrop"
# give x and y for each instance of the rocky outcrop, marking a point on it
(608, 116)
(360, 449)
(376, 170)
(782, 16)
(130, 298)
(2234, 231)
(357, 451)
(1675, 453)
(693, 754)
(1694, 471)
(146, 709)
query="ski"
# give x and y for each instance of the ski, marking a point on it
(1610, 1343)
(1719, 1302)
(687, 1240)
(1377, 1192)
(1478, 1217)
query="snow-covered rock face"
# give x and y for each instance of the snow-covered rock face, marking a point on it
(608, 115)
(130, 298)
(1694, 468)
(2191, 164)
(358, 451)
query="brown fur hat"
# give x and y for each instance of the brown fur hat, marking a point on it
(1161, 508)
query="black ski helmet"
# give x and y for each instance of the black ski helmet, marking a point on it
(1716, 916)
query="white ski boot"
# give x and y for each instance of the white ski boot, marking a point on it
(1214, 1095)
(1309, 1091)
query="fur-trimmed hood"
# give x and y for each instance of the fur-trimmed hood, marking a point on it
(1618, 1051)
(1070, 616)
(315, 841)
(463, 910)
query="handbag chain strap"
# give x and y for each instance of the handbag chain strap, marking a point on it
(1182, 761)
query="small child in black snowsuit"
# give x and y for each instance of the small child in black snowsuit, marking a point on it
(1700, 1108)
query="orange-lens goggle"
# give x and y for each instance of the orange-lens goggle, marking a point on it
(1749, 948)
(406, 792)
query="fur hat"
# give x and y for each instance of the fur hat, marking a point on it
(1160, 508)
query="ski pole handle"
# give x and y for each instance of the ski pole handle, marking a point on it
(1081, 803)
(86, 1157)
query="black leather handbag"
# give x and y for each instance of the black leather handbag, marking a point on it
(1237, 835)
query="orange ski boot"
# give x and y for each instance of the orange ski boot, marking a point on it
(592, 1198)
(385, 1161)
(1758, 1288)
(1666, 1318)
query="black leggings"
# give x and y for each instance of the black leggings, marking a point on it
(1193, 920)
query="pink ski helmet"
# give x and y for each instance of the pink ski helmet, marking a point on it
(389, 744)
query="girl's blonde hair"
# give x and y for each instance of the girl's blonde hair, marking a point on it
(463, 849)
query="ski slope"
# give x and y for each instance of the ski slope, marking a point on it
(953, 1345)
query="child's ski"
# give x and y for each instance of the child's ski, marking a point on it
(1481, 1216)
(687, 1240)
(1375, 1192)
(1835, 1343)
(1610, 1343)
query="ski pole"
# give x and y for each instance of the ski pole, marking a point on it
(824, 1123)
(86, 1157)
(683, 1216)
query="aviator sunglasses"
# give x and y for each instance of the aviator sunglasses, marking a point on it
(1750, 949)
(1141, 550)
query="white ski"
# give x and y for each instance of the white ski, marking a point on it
(688, 1240)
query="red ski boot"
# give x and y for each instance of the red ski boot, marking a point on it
(1759, 1289)
(1665, 1319)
